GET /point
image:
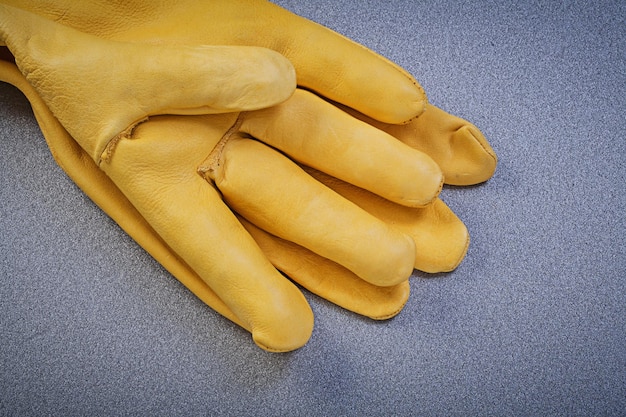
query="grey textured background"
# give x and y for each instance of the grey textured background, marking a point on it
(532, 322)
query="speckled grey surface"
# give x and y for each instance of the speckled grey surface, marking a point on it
(532, 322)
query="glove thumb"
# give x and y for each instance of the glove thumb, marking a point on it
(99, 88)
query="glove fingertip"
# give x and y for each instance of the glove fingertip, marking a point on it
(476, 162)
(270, 80)
(286, 335)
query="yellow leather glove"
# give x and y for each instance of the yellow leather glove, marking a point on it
(252, 119)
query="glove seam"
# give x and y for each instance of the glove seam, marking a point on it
(208, 168)
(109, 148)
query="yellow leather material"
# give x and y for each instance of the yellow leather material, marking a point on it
(173, 171)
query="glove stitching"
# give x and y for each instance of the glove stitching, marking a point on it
(109, 148)
(209, 167)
